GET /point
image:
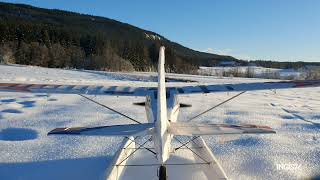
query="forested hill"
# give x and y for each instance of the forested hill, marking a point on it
(55, 38)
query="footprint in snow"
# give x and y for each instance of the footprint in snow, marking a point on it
(234, 113)
(27, 104)
(13, 111)
(287, 117)
(231, 121)
(7, 100)
(316, 117)
(41, 95)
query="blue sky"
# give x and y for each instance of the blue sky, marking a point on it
(286, 30)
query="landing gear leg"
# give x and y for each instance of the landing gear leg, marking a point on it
(162, 173)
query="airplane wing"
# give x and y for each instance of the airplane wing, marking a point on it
(196, 129)
(116, 130)
(142, 91)
(74, 89)
(246, 86)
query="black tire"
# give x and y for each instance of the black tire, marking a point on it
(162, 173)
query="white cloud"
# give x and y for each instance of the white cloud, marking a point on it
(218, 51)
(208, 50)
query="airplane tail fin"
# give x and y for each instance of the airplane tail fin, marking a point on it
(161, 123)
(194, 129)
(162, 101)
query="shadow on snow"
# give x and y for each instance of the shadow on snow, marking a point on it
(18, 134)
(81, 168)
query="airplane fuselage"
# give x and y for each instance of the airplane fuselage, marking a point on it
(162, 139)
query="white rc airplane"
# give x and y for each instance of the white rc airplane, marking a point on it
(162, 109)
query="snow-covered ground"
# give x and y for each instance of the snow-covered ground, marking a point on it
(26, 152)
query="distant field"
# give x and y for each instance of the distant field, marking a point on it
(254, 71)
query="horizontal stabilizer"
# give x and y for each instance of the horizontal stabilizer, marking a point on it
(194, 129)
(140, 103)
(182, 105)
(117, 130)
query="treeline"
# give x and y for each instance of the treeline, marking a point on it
(310, 73)
(59, 47)
(284, 65)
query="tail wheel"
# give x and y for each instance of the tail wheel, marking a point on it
(163, 173)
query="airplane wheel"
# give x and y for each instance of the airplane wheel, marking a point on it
(162, 173)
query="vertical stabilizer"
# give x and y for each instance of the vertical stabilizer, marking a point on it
(162, 101)
(162, 121)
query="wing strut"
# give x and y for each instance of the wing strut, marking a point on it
(185, 145)
(142, 145)
(113, 110)
(194, 117)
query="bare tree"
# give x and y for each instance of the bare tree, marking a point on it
(6, 55)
